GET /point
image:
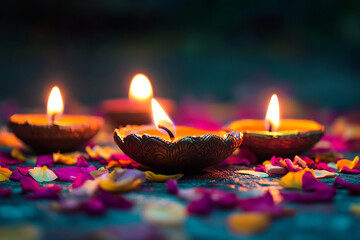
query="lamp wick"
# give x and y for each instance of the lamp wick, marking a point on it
(270, 127)
(53, 118)
(171, 135)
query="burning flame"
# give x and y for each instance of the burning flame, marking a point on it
(140, 88)
(161, 120)
(55, 106)
(272, 120)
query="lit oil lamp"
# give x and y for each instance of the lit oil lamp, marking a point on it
(135, 109)
(175, 149)
(52, 132)
(282, 138)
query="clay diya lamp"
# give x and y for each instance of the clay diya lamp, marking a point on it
(285, 138)
(52, 132)
(180, 149)
(137, 108)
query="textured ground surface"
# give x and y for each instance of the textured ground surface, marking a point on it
(311, 221)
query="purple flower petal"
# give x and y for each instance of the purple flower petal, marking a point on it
(81, 179)
(19, 172)
(116, 201)
(201, 206)
(290, 166)
(224, 163)
(45, 160)
(5, 193)
(260, 168)
(224, 200)
(7, 159)
(172, 186)
(263, 204)
(28, 184)
(318, 196)
(353, 189)
(51, 193)
(324, 166)
(133, 174)
(347, 170)
(67, 174)
(81, 162)
(94, 207)
(311, 184)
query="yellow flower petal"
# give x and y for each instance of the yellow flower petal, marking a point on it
(112, 183)
(69, 159)
(113, 164)
(293, 179)
(355, 208)
(42, 174)
(347, 163)
(266, 162)
(5, 174)
(248, 223)
(165, 213)
(97, 151)
(161, 178)
(98, 172)
(17, 154)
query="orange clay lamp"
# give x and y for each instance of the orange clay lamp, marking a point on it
(175, 149)
(281, 138)
(52, 132)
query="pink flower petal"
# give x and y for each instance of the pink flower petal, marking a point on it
(113, 200)
(67, 174)
(275, 161)
(81, 162)
(81, 179)
(309, 161)
(290, 166)
(28, 184)
(319, 196)
(201, 206)
(310, 183)
(51, 193)
(352, 188)
(347, 170)
(7, 159)
(172, 186)
(5, 193)
(263, 204)
(324, 166)
(223, 164)
(94, 207)
(224, 200)
(260, 168)
(45, 160)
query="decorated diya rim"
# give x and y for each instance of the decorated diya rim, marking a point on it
(187, 153)
(69, 134)
(282, 143)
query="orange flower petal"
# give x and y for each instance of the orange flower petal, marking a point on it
(17, 154)
(345, 162)
(161, 178)
(248, 223)
(5, 174)
(69, 159)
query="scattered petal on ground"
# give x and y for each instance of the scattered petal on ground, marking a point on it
(5, 174)
(42, 174)
(164, 213)
(248, 223)
(253, 173)
(161, 178)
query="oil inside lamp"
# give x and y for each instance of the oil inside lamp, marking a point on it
(162, 121)
(140, 89)
(55, 106)
(272, 119)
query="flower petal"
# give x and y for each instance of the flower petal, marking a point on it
(5, 174)
(121, 180)
(165, 213)
(353, 189)
(275, 169)
(347, 170)
(248, 223)
(51, 193)
(94, 207)
(202, 205)
(161, 178)
(69, 159)
(293, 179)
(344, 162)
(42, 174)
(324, 166)
(81, 162)
(324, 174)
(116, 201)
(253, 173)
(45, 160)
(17, 154)
(172, 186)
(5, 193)
(67, 174)
(28, 184)
(81, 179)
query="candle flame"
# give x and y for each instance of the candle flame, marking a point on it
(161, 120)
(140, 88)
(272, 120)
(55, 106)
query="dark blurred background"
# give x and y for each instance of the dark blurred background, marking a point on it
(217, 50)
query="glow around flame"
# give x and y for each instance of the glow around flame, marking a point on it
(55, 106)
(140, 88)
(161, 118)
(272, 120)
